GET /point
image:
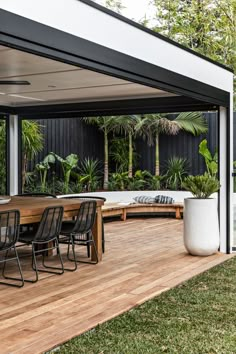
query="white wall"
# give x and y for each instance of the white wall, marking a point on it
(84, 21)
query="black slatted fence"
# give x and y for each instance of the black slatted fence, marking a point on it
(72, 135)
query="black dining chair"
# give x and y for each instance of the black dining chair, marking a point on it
(9, 234)
(94, 198)
(33, 226)
(79, 232)
(46, 235)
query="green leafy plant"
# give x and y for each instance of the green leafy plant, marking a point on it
(140, 180)
(32, 143)
(202, 186)
(68, 164)
(176, 171)
(118, 181)
(43, 167)
(119, 153)
(211, 161)
(154, 183)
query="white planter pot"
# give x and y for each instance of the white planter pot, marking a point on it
(201, 226)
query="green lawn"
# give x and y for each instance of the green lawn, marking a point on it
(198, 316)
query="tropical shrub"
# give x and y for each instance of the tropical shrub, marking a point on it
(43, 167)
(119, 154)
(176, 171)
(118, 181)
(68, 164)
(32, 143)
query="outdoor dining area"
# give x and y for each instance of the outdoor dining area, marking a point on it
(44, 222)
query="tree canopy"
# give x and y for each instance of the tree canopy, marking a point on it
(206, 26)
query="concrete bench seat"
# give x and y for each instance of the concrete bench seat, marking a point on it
(123, 209)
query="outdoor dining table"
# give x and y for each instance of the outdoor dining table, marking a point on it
(31, 210)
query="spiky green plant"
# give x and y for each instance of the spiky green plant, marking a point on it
(202, 186)
(176, 171)
(90, 173)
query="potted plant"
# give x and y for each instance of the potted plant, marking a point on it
(201, 224)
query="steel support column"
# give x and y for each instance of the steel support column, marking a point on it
(13, 147)
(226, 190)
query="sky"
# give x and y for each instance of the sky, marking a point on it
(134, 9)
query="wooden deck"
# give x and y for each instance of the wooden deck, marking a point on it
(143, 258)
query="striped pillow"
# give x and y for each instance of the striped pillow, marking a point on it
(144, 199)
(164, 199)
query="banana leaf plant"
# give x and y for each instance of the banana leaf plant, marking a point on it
(211, 161)
(43, 167)
(68, 165)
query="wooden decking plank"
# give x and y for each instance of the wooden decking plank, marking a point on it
(143, 258)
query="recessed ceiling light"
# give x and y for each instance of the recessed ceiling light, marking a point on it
(51, 86)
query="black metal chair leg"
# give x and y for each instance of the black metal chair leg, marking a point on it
(95, 250)
(88, 250)
(21, 279)
(71, 242)
(34, 267)
(52, 267)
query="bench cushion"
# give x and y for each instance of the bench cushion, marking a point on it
(144, 199)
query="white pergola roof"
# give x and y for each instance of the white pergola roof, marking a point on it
(123, 59)
(82, 20)
(52, 81)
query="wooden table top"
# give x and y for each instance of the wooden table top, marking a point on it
(30, 206)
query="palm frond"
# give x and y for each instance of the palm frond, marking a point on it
(125, 124)
(103, 122)
(169, 127)
(148, 127)
(192, 122)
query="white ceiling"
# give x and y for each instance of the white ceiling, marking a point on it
(56, 82)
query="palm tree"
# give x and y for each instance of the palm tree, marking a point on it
(126, 125)
(152, 125)
(32, 143)
(105, 124)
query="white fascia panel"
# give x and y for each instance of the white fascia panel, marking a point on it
(79, 19)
